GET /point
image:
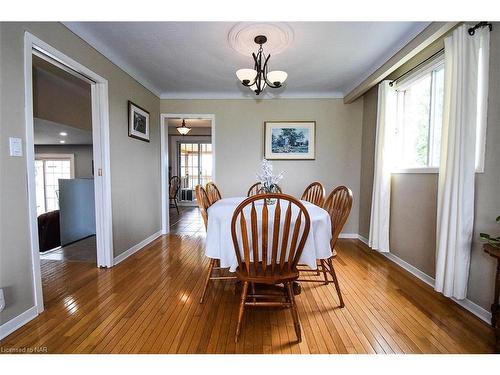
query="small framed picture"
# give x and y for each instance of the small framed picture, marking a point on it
(138, 122)
(289, 140)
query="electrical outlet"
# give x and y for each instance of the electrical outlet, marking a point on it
(2, 300)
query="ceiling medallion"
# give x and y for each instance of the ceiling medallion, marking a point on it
(259, 77)
(279, 36)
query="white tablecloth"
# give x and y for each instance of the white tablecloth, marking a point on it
(219, 243)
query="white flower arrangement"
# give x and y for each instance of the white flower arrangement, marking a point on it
(268, 180)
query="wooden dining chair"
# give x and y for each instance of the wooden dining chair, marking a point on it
(213, 192)
(203, 203)
(314, 193)
(338, 204)
(257, 189)
(173, 189)
(214, 264)
(259, 263)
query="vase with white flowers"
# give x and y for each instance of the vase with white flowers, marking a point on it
(269, 180)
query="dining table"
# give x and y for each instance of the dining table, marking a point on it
(219, 242)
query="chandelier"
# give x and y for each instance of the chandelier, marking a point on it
(183, 129)
(258, 78)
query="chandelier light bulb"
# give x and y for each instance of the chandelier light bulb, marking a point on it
(246, 75)
(277, 77)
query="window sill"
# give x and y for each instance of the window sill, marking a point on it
(431, 170)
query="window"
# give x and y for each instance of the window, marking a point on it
(419, 118)
(195, 166)
(48, 170)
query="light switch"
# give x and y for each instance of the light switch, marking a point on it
(16, 146)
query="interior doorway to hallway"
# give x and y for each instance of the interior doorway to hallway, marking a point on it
(187, 160)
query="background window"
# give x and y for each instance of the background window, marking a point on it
(419, 119)
(47, 174)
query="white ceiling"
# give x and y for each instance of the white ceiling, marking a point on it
(48, 133)
(196, 59)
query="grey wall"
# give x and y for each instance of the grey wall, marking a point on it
(413, 200)
(82, 153)
(413, 219)
(135, 165)
(367, 160)
(239, 143)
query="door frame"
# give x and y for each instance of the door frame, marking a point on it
(164, 150)
(101, 155)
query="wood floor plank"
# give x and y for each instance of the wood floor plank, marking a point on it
(149, 303)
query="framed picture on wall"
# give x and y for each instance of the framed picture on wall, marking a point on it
(138, 122)
(289, 140)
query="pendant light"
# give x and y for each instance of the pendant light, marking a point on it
(258, 78)
(183, 129)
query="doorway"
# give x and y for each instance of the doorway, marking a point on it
(194, 167)
(51, 173)
(187, 160)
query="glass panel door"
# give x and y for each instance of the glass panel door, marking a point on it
(195, 167)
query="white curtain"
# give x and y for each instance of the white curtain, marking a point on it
(381, 195)
(464, 116)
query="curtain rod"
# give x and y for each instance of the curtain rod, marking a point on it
(416, 66)
(471, 31)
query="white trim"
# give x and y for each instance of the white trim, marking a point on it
(71, 158)
(435, 63)
(467, 304)
(363, 239)
(121, 257)
(349, 235)
(266, 95)
(116, 60)
(423, 170)
(474, 308)
(165, 220)
(421, 41)
(411, 269)
(17, 322)
(101, 152)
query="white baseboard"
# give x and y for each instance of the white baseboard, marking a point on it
(17, 322)
(411, 269)
(348, 235)
(474, 308)
(467, 304)
(363, 239)
(136, 248)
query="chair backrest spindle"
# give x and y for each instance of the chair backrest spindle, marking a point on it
(258, 189)
(255, 257)
(203, 203)
(314, 193)
(213, 192)
(173, 186)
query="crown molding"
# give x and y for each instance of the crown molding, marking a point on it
(114, 59)
(235, 95)
(418, 43)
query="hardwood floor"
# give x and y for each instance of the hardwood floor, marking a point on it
(84, 250)
(149, 304)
